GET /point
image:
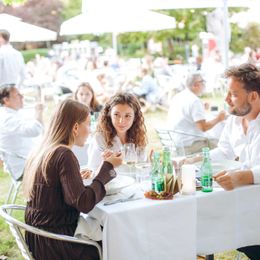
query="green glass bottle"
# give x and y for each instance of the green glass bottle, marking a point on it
(156, 175)
(167, 168)
(206, 171)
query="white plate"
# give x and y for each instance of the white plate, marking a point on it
(223, 165)
(116, 185)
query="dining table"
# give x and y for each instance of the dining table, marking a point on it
(182, 228)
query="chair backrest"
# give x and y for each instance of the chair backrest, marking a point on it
(173, 137)
(16, 227)
(13, 163)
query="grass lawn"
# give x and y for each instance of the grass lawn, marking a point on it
(8, 248)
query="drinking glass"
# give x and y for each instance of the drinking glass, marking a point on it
(143, 168)
(129, 154)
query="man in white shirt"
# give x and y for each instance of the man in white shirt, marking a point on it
(12, 67)
(16, 132)
(241, 136)
(187, 117)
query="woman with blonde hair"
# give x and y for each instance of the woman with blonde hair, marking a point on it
(53, 186)
(121, 121)
(85, 95)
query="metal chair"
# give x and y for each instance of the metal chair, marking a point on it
(168, 137)
(15, 185)
(17, 226)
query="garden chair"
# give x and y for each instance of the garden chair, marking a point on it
(17, 227)
(168, 137)
(15, 182)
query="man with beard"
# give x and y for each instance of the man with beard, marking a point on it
(241, 135)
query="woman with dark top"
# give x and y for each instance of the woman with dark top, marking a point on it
(53, 186)
(85, 95)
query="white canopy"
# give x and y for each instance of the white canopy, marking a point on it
(116, 21)
(25, 32)
(168, 4)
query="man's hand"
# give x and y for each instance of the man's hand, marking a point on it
(232, 179)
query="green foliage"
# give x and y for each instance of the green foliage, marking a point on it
(10, 2)
(30, 54)
(252, 35)
(71, 8)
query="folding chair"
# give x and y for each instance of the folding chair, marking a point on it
(17, 227)
(15, 185)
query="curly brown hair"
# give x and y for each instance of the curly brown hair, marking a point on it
(137, 132)
(248, 74)
(94, 105)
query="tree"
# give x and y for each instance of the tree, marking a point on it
(45, 13)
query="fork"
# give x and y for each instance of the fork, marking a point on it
(120, 200)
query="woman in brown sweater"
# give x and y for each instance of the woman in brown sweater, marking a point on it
(53, 186)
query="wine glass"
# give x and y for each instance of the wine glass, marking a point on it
(129, 156)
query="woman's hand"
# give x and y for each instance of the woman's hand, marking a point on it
(115, 159)
(86, 174)
(106, 154)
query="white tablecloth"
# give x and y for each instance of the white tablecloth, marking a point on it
(228, 220)
(206, 223)
(149, 230)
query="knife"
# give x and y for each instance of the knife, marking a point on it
(120, 201)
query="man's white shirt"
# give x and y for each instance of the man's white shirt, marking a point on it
(12, 67)
(16, 136)
(235, 143)
(186, 109)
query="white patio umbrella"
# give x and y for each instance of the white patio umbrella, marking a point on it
(25, 32)
(119, 20)
(183, 4)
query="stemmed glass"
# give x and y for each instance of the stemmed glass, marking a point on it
(129, 155)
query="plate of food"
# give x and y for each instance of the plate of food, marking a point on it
(116, 185)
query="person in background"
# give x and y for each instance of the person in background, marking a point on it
(16, 132)
(85, 95)
(54, 189)
(148, 89)
(121, 121)
(12, 67)
(187, 116)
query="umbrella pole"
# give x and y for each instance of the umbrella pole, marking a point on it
(114, 41)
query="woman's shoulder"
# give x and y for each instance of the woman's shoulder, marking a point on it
(63, 152)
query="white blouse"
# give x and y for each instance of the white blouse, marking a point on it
(97, 146)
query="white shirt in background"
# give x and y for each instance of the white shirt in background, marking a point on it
(16, 135)
(12, 67)
(97, 146)
(235, 143)
(186, 109)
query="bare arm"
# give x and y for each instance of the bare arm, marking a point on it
(204, 125)
(232, 179)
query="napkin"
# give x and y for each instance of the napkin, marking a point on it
(171, 183)
(88, 228)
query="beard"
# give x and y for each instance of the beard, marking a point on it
(242, 111)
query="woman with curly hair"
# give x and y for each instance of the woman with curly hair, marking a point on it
(85, 95)
(121, 121)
